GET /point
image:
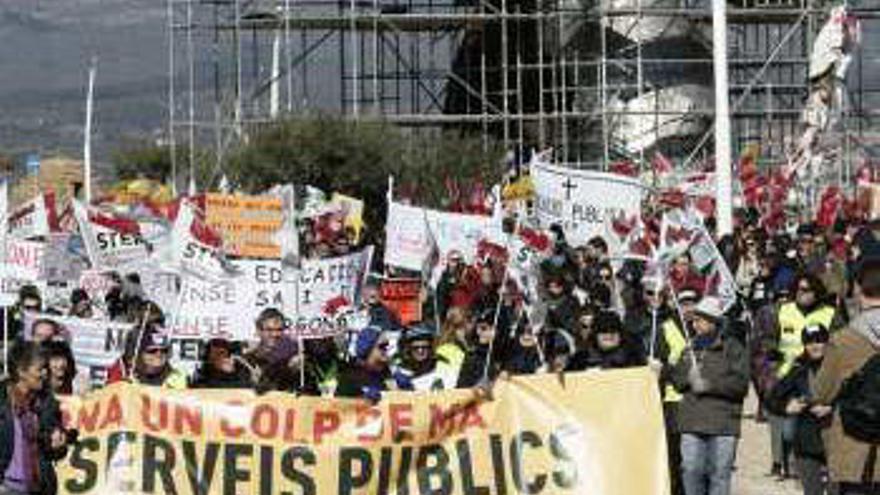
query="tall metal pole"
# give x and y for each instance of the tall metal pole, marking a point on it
(87, 138)
(190, 59)
(724, 208)
(172, 145)
(275, 86)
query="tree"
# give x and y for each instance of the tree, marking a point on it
(356, 158)
(143, 159)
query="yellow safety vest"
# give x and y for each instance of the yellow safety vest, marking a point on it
(791, 325)
(676, 342)
(452, 354)
(175, 380)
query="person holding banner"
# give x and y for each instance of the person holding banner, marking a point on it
(371, 374)
(221, 367)
(31, 435)
(425, 369)
(713, 377)
(276, 359)
(610, 347)
(152, 365)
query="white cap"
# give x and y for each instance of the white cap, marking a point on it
(710, 307)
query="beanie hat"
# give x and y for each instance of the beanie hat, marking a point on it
(419, 331)
(366, 341)
(607, 322)
(816, 333)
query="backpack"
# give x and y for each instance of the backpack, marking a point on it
(859, 403)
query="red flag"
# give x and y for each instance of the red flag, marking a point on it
(624, 167)
(332, 307)
(672, 198)
(536, 240)
(661, 164)
(829, 203)
(118, 224)
(623, 226)
(705, 205)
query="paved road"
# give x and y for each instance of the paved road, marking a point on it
(753, 461)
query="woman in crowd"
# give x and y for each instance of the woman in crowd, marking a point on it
(371, 374)
(32, 437)
(793, 397)
(61, 367)
(452, 345)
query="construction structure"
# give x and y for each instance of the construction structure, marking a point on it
(599, 81)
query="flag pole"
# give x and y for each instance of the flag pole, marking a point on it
(723, 188)
(87, 138)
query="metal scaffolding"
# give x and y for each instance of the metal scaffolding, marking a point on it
(598, 80)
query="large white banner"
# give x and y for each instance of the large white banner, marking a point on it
(583, 202)
(411, 231)
(229, 308)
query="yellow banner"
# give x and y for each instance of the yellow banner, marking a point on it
(594, 433)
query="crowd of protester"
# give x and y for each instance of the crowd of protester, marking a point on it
(807, 318)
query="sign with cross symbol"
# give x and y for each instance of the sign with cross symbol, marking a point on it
(568, 185)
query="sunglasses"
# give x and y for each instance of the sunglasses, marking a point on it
(156, 350)
(421, 348)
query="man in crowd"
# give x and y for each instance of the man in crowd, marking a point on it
(276, 359)
(221, 367)
(713, 376)
(853, 463)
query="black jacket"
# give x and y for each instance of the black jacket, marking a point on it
(808, 428)
(49, 418)
(627, 355)
(208, 377)
(717, 410)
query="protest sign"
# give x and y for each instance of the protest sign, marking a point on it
(109, 248)
(34, 218)
(62, 262)
(246, 223)
(409, 232)
(228, 308)
(24, 259)
(193, 256)
(538, 435)
(403, 297)
(583, 202)
(96, 284)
